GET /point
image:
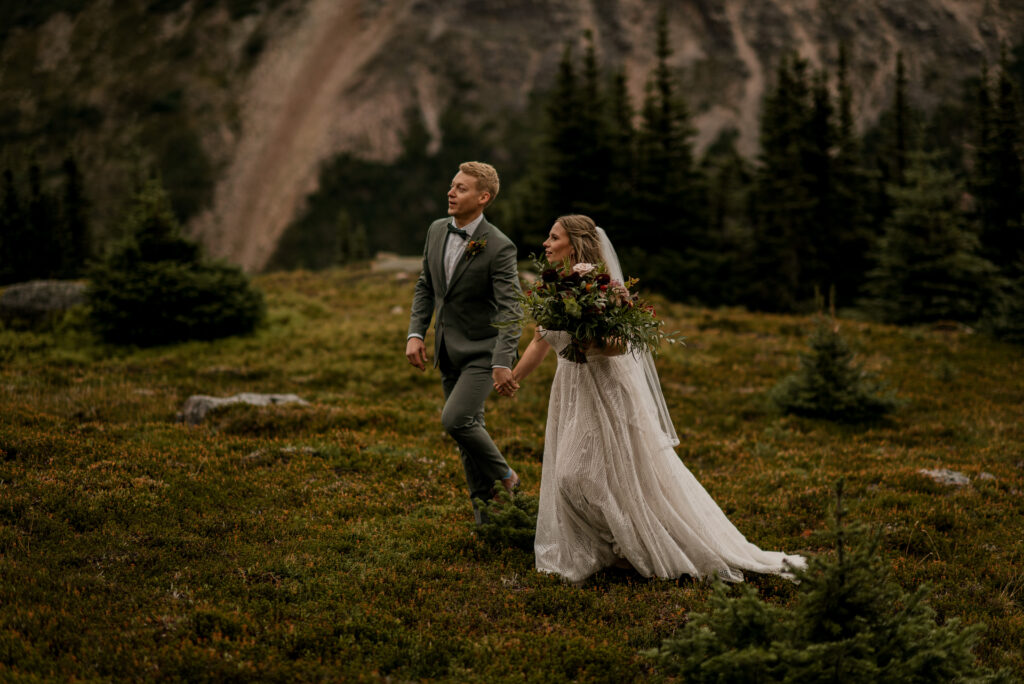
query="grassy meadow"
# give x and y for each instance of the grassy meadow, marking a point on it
(335, 541)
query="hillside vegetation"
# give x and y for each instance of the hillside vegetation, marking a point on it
(335, 540)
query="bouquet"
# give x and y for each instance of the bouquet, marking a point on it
(594, 309)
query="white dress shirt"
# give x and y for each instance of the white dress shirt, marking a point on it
(455, 247)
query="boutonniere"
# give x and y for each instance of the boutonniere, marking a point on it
(474, 247)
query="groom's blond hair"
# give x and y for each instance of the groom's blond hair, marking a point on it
(486, 177)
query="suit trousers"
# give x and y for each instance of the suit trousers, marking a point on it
(465, 391)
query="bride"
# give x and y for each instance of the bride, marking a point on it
(613, 491)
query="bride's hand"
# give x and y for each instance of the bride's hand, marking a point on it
(613, 347)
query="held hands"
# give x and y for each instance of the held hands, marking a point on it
(416, 352)
(504, 382)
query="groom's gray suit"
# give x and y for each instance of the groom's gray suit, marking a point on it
(483, 290)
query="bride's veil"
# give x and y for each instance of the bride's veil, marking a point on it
(644, 366)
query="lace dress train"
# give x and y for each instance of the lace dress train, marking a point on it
(613, 487)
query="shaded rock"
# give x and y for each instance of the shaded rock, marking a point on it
(946, 476)
(39, 301)
(198, 405)
(386, 262)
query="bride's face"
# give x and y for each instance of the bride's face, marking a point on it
(557, 247)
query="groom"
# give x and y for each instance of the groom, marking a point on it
(470, 280)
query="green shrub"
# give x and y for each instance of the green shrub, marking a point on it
(1005, 321)
(510, 520)
(829, 384)
(851, 623)
(155, 288)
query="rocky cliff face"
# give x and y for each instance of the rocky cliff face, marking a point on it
(337, 75)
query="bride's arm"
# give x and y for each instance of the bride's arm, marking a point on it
(531, 358)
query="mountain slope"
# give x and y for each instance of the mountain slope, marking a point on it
(267, 92)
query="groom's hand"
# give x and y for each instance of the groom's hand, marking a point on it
(416, 352)
(504, 382)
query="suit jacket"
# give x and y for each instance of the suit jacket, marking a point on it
(483, 290)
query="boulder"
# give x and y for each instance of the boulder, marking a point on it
(39, 301)
(388, 262)
(946, 477)
(198, 405)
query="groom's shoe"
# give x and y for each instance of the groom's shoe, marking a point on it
(511, 483)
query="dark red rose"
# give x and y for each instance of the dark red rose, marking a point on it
(603, 279)
(549, 275)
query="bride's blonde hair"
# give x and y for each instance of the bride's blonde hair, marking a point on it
(582, 233)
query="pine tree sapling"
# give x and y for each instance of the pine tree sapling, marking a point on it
(829, 384)
(850, 623)
(155, 288)
(509, 520)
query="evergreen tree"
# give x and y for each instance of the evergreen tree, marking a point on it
(901, 122)
(154, 287)
(999, 171)
(848, 258)
(357, 244)
(981, 181)
(928, 265)
(563, 177)
(593, 158)
(621, 154)
(851, 623)
(822, 258)
(1005, 320)
(729, 177)
(45, 243)
(587, 153)
(74, 217)
(669, 219)
(13, 231)
(890, 144)
(829, 384)
(784, 201)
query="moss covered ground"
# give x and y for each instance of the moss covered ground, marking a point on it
(134, 546)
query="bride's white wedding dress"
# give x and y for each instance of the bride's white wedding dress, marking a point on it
(613, 487)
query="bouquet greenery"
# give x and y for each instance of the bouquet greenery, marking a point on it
(584, 301)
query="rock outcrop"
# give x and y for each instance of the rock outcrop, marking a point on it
(344, 76)
(39, 301)
(198, 405)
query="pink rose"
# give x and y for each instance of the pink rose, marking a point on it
(583, 268)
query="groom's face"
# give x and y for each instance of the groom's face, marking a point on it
(465, 199)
